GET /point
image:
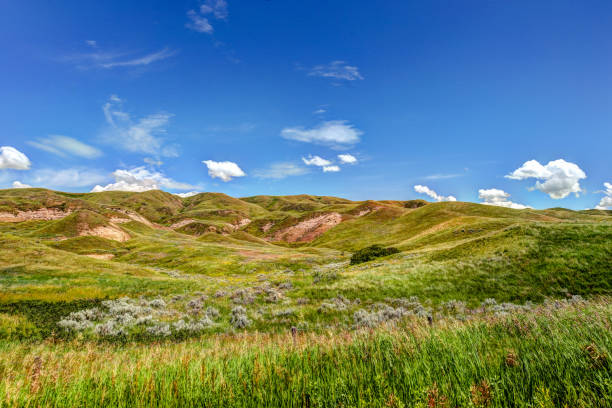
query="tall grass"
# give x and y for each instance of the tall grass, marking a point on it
(546, 358)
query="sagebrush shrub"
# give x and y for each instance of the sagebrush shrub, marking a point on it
(239, 318)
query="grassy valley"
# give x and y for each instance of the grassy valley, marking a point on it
(140, 299)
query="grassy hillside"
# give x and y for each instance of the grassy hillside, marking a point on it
(479, 306)
(73, 224)
(156, 206)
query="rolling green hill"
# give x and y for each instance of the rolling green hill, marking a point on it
(448, 250)
(119, 273)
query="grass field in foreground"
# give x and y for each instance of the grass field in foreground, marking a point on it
(557, 355)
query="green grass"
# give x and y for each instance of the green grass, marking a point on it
(546, 358)
(456, 254)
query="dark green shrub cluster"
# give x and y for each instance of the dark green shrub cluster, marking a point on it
(372, 252)
(415, 203)
(43, 316)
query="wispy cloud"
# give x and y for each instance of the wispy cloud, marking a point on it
(442, 176)
(315, 161)
(66, 146)
(334, 133)
(199, 23)
(337, 70)
(71, 177)
(431, 193)
(218, 8)
(144, 135)
(280, 171)
(200, 20)
(143, 60)
(114, 59)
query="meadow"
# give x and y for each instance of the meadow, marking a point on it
(476, 305)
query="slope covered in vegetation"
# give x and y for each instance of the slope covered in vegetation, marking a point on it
(196, 272)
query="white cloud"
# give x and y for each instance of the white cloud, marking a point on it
(561, 178)
(91, 43)
(606, 201)
(19, 184)
(152, 162)
(442, 176)
(315, 161)
(11, 158)
(64, 145)
(318, 161)
(319, 111)
(347, 158)
(336, 70)
(218, 8)
(140, 179)
(188, 194)
(280, 171)
(199, 20)
(335, 133)
(494, 196)
(141, 136)
(109, 60)
(73, 177)
(225, 170)
(426, 190)
(198, 23)
(144, 60)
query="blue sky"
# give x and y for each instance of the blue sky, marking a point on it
(507, 103)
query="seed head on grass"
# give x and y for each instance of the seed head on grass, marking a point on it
(511, 359)
(481, 394)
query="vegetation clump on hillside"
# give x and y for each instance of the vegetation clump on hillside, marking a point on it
(372, 252)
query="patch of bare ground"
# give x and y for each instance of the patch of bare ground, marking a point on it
(243, 222)
(104, 231)
(42, 214)
(309, 229)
